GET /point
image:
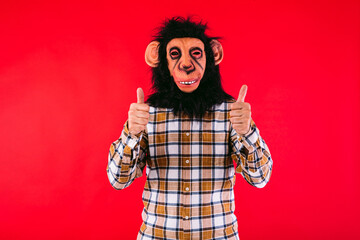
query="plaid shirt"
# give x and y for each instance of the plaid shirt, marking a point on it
(190, 172)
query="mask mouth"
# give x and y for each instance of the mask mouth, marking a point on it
(188, 82)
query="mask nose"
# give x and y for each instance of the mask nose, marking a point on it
(187, 65)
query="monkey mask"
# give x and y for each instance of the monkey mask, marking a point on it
(186, 59)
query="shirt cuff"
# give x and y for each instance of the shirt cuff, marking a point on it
(252, 135)
(128, 139)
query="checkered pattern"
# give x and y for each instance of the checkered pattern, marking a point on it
(190, 172)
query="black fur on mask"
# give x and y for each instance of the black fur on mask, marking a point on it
(166, 94)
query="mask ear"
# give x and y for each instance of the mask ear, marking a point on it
(217, 50)
(152, 54)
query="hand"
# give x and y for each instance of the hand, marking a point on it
(240, 114)
(138, 114)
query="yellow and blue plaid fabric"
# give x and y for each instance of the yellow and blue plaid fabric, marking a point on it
(190, 172)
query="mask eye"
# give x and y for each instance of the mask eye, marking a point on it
(196, 53)
(174, 53)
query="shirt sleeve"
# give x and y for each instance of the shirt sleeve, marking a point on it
(252, 156)
(127, 158)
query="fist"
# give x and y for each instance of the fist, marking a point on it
(138, 115)
(240, 113)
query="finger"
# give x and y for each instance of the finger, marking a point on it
(242, 123)
(238, 120)
(239, 113)
(142, 114)
(240, 105)
(242, 94)
(138, 114)
(140, 95)
(135, 130)
(136, 120)
(139, 121)
(241, 128)
(140, 106)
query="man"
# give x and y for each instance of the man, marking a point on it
(188, 134)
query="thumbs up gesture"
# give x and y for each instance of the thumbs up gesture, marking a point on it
(138, 115)
(240, 113)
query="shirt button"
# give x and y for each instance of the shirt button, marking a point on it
(187, 189)
(186, 217)
(187, 134)
(187, 161)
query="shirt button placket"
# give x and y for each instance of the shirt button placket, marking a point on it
(186, 151)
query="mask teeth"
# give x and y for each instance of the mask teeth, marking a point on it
(187, 83)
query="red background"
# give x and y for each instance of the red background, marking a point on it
(69, 70)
